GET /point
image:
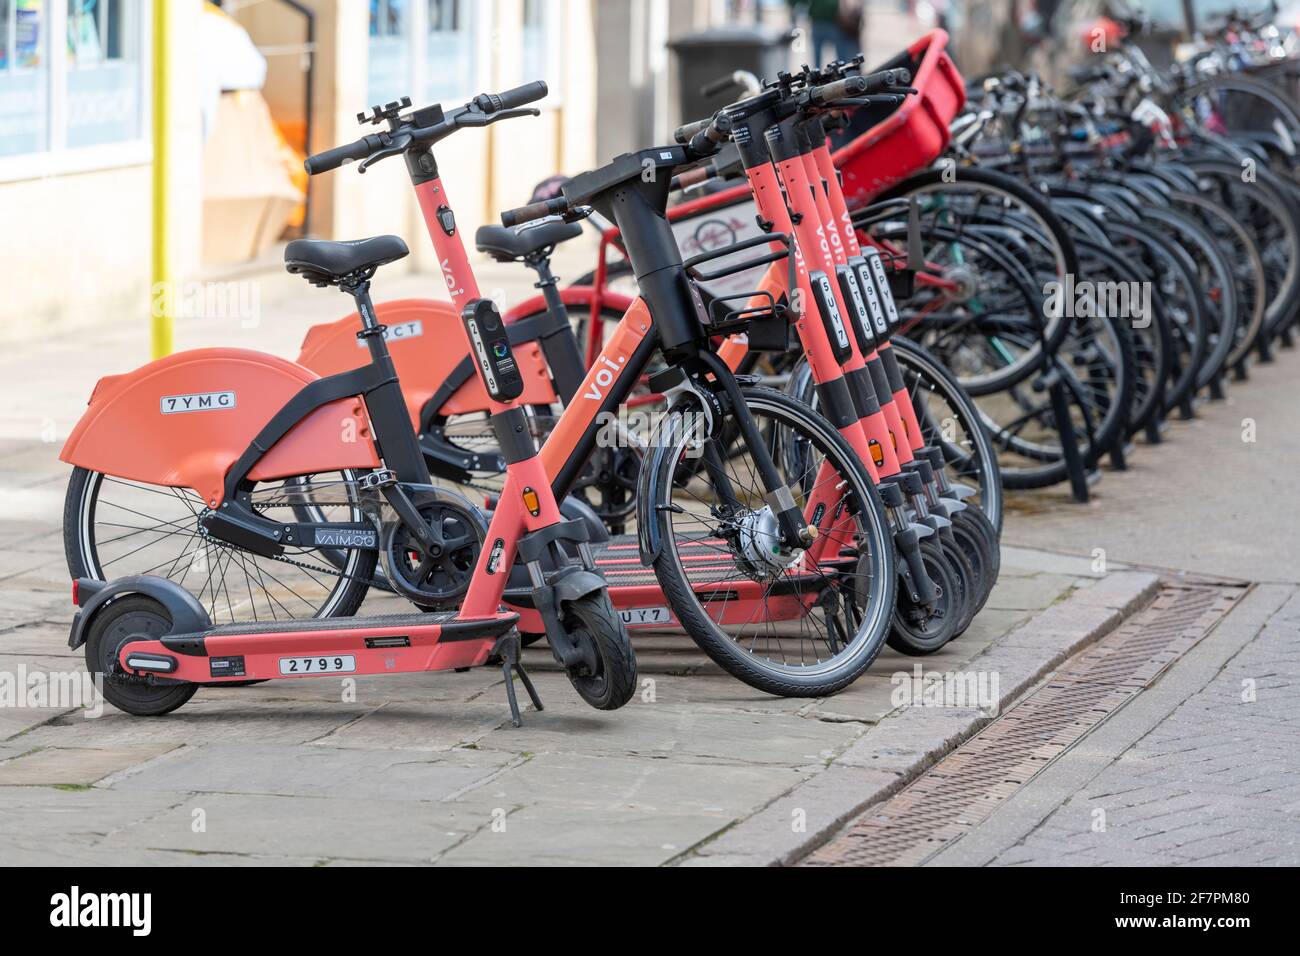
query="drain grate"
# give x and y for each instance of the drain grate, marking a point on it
(966, 786)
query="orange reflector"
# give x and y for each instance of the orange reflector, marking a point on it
(532, 502)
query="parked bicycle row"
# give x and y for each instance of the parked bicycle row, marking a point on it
(828, 402)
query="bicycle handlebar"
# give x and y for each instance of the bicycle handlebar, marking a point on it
(887, 78)
(537, 210)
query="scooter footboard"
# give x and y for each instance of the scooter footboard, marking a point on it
(399, 643)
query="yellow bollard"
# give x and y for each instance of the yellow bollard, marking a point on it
(160, 272)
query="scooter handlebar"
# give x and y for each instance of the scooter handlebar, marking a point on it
(839, 90)
(336, 157)
(511, 99)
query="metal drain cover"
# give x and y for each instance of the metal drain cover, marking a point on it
(970, 783)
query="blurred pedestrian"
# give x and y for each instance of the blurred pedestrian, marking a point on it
(836, 24)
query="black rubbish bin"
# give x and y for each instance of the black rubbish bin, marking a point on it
(704, 57)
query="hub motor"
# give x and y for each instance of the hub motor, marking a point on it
(759, 543)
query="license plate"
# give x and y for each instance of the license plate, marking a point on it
(633, 616)
(329, 664)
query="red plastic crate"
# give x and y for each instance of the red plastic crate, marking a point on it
(916, 133)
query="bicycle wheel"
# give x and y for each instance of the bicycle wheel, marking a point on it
(951, 421)
(974, 295)
(997, 207)
(1145, 264)
(1249, 110)
(1265, 208)
(114, 527)
(1247, 268)
(1095, 367)
(786, 624)
(1217, 283)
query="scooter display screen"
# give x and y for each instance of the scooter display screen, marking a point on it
(857, 296)
(824, 294)
(882, 286)
(492, 352)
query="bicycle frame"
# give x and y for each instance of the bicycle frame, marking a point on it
(609, 380)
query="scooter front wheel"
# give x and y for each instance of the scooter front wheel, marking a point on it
(593, 623)
(126, 619)
(919, 631)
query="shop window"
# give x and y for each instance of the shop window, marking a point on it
(390, 42)
(104, 77)
(78, 102)
(449, 62)
(24, 77)
(540, 36)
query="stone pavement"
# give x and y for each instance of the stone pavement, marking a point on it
(1193, 771)
(1202, 769)
(1205, 500)
(426, 769)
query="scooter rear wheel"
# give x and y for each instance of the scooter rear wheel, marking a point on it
(126, 619)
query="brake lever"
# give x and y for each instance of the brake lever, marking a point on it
(578, 213)
(514, 113)
(398, 145)
(476, 118)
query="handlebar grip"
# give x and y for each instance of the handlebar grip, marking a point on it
(336, 157)
(886, 78)
(840, 89)
(684, 134)
(707, 140)
(537, 210)
(510, 99)
(693, 177)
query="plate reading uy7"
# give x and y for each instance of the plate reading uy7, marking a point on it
(329, 664)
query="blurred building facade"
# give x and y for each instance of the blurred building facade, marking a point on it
(76, 101)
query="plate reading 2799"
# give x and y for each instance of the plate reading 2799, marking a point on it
(338, 664)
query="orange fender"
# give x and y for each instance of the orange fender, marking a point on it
(427, 343)
(183, 420)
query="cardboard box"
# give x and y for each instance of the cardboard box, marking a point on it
(248, 196)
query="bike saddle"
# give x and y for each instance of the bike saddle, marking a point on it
(507, 245)
(323, 262)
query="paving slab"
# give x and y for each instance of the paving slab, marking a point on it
(1028, 593)
(288, 770)
(663, 730)
(549, 836)
(75, 766)
(303, 826)
(642, 784)
(75, 816)
(211, 716)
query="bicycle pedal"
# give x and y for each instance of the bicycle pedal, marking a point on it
(377, 479)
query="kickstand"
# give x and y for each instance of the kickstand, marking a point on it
(508, 648)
